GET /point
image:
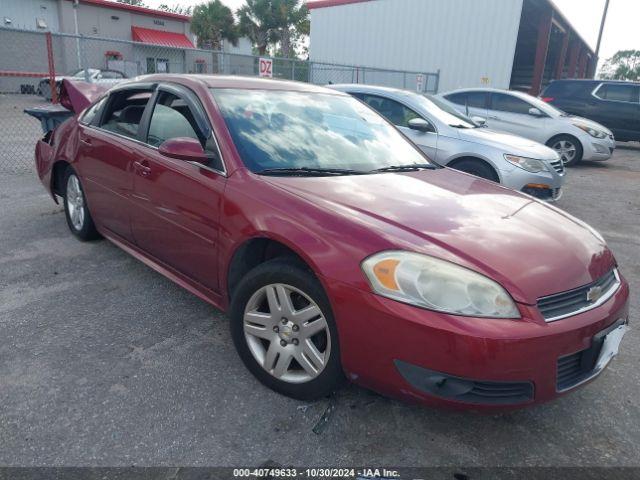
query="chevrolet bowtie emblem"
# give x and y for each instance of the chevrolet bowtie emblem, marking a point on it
(594, 294)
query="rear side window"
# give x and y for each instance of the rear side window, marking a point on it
(124, 112)
(509, 103)
(568, 89)
(393, 111)
(619, 92)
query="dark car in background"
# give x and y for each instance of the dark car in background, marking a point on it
(614, 104)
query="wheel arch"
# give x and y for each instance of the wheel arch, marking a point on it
(57, 176)
(559, 135)
(476, 158)
(255, 251)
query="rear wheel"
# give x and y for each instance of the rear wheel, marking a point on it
(477, 168)
(75, 208)
(283, 329)
(569, 148)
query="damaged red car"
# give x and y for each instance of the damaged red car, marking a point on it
(338, 250)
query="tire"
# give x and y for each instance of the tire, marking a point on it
(477, 168)
(569, 148)
(75, 208)
(275, 338)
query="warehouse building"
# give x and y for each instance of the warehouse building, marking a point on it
(517, 44)
(163, 40)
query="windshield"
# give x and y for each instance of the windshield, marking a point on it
(447, 113)
(295, 130)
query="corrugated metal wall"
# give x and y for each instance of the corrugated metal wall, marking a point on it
(472, 42)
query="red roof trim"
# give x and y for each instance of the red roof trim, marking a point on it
(160, 37)
(136, 9)
(331, 3)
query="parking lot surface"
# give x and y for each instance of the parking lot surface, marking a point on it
(105, 362)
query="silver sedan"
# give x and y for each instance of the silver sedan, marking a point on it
(451, 139)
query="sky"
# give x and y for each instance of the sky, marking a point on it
(622, 31)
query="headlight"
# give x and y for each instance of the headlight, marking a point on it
(529, 164)
(438, 285)
(591, 131)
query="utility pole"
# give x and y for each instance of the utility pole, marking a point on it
(604, 19)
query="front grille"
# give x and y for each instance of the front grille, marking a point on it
(565, 304)
(573, 369)
(579, 367)
(558, 166)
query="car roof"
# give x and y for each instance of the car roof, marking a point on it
(515, 93)
(594, 81)
(369, 88)
(231, 81)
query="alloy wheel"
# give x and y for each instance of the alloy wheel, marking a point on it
(566, 150)
(287, 333)
(75, 202)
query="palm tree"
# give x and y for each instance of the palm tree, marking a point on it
(257, 21)
(212, 23)
(292, 21)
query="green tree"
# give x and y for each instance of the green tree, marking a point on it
(256, 20)
(176, 8)
(624, 65)
(137, 3)
(213, 22)
(292, 24)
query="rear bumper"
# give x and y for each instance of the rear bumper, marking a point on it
(380, 337)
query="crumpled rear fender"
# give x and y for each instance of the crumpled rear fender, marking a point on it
(77, 95)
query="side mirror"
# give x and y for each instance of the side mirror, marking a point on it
(184, 148)
(535, 112)
(420, 124)
(479, 120)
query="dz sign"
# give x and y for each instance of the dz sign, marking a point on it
(265, 66)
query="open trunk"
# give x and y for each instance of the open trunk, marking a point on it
(75, 96)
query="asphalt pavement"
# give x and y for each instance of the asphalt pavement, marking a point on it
(105, 362)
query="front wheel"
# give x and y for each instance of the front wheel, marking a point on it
(75, 208)
(569, 149)
(283, 329)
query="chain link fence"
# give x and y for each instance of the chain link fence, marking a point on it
(31, 60)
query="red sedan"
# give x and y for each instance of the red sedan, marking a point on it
(336, 247)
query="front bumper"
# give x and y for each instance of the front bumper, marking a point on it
(597, 149)
(379, 337)
(544, 185)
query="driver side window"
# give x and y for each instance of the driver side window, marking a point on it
(172, 118)
(393, 111)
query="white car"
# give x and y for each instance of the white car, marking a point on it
(93, 75)
(451, 139)
(574, 138)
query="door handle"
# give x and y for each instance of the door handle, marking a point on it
(86, 141)
(141, 168)
(493, 117)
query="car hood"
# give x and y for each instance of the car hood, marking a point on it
(531, 248)
(508, 143)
